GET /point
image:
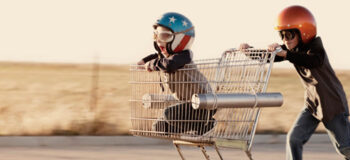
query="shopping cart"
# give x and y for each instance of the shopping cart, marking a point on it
(211, 102)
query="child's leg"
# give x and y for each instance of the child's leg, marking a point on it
(184, 118)
(339, 132)
(205, 123)
(303, 128)
(177, 116)
(161, 126)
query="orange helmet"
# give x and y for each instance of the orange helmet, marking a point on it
(300, 18)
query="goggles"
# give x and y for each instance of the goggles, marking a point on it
(163, 36)
(287, 34)
(166, 36)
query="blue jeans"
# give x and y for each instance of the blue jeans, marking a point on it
(338, 130)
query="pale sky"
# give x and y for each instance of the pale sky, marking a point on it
(120, 32)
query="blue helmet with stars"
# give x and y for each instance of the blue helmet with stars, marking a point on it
(182, 29)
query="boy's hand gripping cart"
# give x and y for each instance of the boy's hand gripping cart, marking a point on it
(212, 102)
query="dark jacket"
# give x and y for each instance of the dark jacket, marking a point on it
(182, 83)
(157, 62)
(324, 94)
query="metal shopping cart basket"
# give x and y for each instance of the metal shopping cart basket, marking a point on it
(211, 102)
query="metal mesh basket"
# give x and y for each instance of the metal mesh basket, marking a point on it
(165, 105)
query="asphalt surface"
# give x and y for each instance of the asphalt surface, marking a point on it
(266, 147)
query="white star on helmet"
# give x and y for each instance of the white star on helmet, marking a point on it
(184, 23)
(172, 19)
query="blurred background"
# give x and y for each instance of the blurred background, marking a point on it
(64, 64)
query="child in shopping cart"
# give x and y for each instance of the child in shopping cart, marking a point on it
(325, 99)
(173, 37)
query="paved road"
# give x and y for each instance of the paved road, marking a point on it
(263, 150)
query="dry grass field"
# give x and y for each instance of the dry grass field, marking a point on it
(60, 99)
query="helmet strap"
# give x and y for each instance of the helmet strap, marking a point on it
(168, 48)
(156, 47)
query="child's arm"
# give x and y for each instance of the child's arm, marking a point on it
(311, 58)
(243, 46)
(170, 64)
(147, 58)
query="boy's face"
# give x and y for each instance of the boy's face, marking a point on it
(289, 38)
(161, 44)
